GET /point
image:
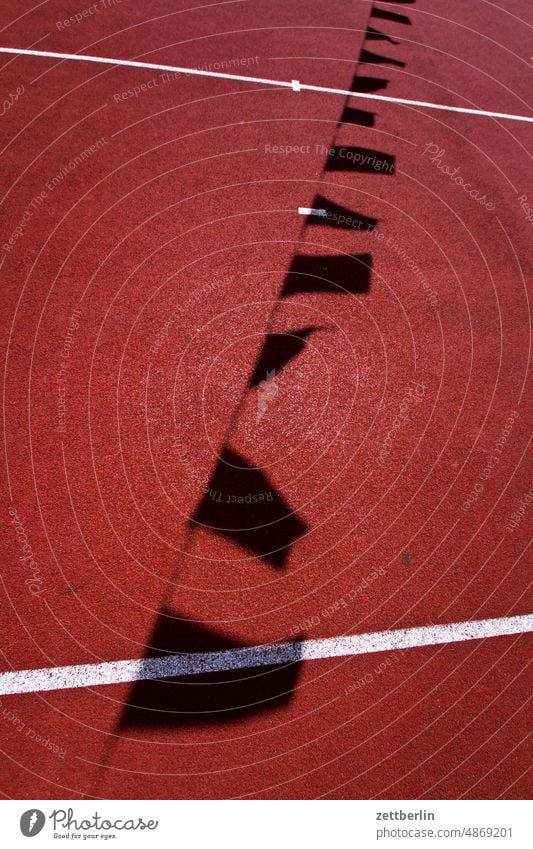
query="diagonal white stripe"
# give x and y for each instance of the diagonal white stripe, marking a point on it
(117, 672)
(79, 57)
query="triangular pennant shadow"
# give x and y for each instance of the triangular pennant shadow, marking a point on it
(336, 215)
(278, 350)
(242, 504)
(373, 34)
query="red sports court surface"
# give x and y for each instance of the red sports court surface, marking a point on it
(266, 361)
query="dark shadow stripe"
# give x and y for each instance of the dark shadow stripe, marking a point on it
(368, 85)
(387, 15)
(339, 275)
(363, 160)
(213, 697)
(368, 58)
(361, 117)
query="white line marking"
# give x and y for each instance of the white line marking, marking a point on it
(120, 671)
(307, 210)
(261, 81)
(296, 85)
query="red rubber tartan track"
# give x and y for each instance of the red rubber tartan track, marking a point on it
(227, 423)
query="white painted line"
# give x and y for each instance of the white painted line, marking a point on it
(121, 671)
(296, 85)
(307, 210)
(77, 57)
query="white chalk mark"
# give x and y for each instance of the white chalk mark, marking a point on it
(296, 85)
(80, 57)
(307, 210)
(121, 671)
